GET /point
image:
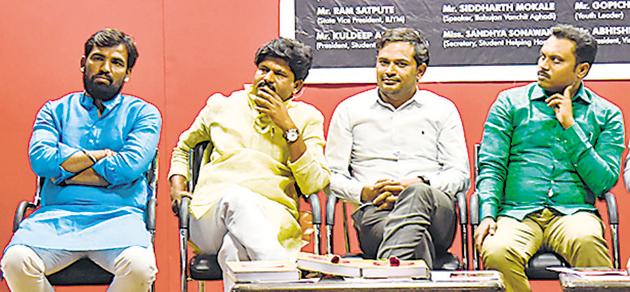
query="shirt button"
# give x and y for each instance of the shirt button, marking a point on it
(550, 193)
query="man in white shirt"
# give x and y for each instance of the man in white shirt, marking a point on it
(400, 152)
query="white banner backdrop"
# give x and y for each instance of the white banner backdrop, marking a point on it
(470, 41)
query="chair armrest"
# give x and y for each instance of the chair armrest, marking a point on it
(611, 203)
(183, 213)
(474, 209)
(331, 201)
(20, 212)
(316, 209)
(460, 198)
(150, 214)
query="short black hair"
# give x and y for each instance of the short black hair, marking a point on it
(298, 55)
(585, 43)
(111, 37)
(412, 36)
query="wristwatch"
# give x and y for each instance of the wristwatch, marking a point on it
(291, 135)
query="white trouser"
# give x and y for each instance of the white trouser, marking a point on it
(25, 268)
(237, 229)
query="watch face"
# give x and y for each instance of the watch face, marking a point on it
(292, 135)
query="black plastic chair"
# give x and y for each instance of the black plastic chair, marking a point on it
(85, 271)
(205, 267)
(447, 262)
(537, 266)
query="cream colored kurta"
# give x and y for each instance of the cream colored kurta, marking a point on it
(248, 150)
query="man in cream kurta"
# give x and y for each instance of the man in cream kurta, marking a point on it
(262, 146)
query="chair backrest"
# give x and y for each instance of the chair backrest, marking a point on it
(152, 182)
(476, 149)
(153, 173)
(195, 162)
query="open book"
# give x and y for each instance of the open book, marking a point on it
(262, 271)
(334, 265)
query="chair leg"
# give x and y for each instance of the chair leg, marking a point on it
(329, 239)
(316, 239)
(345, 227)
(464, 233)
(614, 232)
(183, 258)
(202, 286)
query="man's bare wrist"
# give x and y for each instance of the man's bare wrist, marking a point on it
(365, 193)
(89, 155)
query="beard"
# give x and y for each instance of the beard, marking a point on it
(100, 91)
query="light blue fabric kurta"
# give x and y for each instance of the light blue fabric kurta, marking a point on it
(75, 217)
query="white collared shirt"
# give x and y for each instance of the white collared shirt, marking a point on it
(369, 140)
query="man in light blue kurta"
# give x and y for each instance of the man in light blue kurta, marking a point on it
(93, 149)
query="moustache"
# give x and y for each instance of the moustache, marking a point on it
(103, 75)
(264, 83)
(544, 74)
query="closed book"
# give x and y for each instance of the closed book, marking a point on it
(327, 264)
(263, 271)
(417, 269)
(334, 265)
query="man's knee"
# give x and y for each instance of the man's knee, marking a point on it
(136, 262)
(500, 255)
(420, 192)
(21, 259)
(239, 199)
(586, 240)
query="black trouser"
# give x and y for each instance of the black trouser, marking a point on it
(420, 226)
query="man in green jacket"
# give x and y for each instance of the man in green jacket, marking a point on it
(549, 148)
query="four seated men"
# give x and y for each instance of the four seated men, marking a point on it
(549, 149)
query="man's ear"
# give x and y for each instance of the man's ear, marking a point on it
(83, 64)
(582, 70)
(299, 84)
(421, 70)
(127, 75)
